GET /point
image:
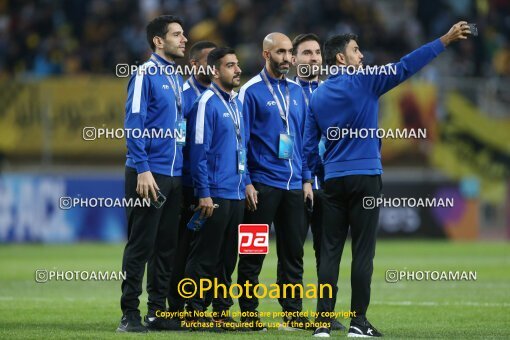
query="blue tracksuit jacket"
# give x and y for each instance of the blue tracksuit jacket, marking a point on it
(189, 95)
(352, 101)
(151, 104)
(263, 128)
(213, 146)
(315, 165)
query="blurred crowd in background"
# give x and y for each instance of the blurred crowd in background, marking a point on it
(57, 77)
(40, 38)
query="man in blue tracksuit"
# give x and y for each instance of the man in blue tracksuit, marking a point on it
(218, 153)
(274, 111)
(353, 166)
(306, 52)
(153, 168)
(193, 87)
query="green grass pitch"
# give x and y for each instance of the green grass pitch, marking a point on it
(425, 309)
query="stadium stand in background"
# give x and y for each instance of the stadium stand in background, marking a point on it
(57, 76)
(43, 38)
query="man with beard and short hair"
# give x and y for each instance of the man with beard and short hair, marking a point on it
(353, 167)
(274, 111)
(193, 87)
(306, 52)
(217, 151)
(153, 170)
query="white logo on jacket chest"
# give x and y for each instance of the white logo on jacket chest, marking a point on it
(225, 115)
(165, 87)
(273, 103)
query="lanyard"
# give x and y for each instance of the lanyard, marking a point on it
(194, 86)
(176, 88)
(309, 87)
(305, 97)
(283, 115)
(236, 119)
(303, 90)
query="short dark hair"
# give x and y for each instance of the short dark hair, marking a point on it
(336, 44)
(215, 55)
(198, 47)
(158, 27)
(301, 39)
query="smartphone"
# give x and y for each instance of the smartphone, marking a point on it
(196, 223)
(473, 29)
(159, 202)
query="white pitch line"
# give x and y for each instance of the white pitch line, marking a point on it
(43, 299)
(432, 303)
(428, 303)
(386, 303)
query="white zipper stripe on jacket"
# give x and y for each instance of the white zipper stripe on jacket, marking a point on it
(175, 146)
(239, 186)
(240, 175)
(288, 131)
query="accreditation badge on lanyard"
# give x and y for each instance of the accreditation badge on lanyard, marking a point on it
(236, 120)
(180, 135)
(286, 146)
(180, 139)
(286, 141)
(241, 160)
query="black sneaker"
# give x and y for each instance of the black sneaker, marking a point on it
(337, 326)
(361, 328)
(253, 323)
(322, 332)
(162, 324)
(131, 324)
(295, 324)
